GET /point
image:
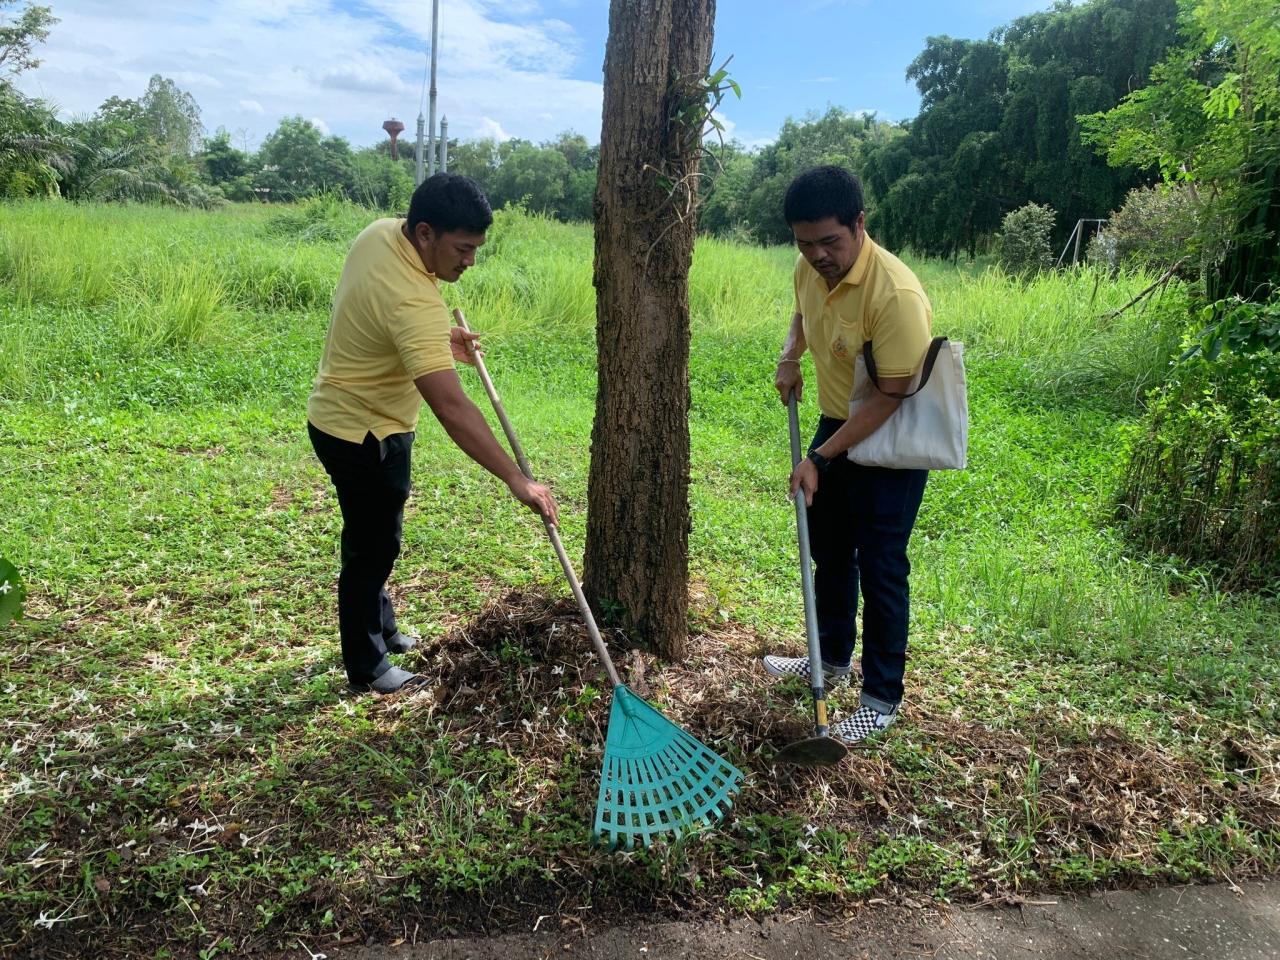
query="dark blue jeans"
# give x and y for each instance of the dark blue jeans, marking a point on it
(372, 481)
(859, 525)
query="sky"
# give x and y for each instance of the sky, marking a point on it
(506, 68)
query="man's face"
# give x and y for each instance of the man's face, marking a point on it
(830, 247)
(449, 254)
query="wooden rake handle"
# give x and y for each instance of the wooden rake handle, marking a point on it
(601, 650)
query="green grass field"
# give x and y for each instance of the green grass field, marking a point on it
(184, 774)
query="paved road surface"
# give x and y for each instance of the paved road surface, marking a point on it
(1178, 923)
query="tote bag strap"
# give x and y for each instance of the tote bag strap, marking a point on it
(930, 358)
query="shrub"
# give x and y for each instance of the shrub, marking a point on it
(1023, 242)
(1204, 480)
(323, 218)
(1155, 227)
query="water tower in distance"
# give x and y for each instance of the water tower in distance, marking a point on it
(394, 128)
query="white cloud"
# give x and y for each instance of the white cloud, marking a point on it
(503, 70)
(490, 128)
(473, 43)
(362, 78)
(726, 131)
(509, 7)
(193, 81)
(320, 125)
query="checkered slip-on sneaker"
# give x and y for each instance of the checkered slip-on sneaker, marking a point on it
(799, 667)
(865, 722)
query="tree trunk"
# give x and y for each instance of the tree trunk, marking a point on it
(637, 555)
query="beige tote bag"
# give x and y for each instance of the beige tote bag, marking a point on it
(930, 428)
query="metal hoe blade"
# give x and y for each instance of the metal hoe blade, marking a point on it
(812, 752)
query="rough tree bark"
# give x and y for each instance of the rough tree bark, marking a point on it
(637, 554)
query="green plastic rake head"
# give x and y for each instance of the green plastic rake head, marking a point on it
(656, 779)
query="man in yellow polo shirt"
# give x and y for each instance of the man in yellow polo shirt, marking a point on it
(848, 290)
(390, 346)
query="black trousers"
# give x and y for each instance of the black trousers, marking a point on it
(859, 526)
(372, 481)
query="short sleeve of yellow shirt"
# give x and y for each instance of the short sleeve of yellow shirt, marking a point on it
(899, 325)
(878, 299)
(389, 326)
(420, 331)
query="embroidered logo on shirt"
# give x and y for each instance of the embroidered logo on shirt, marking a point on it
(840, 348)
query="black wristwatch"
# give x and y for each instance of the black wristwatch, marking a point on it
(819, 461)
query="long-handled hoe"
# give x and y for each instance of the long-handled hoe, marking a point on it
(821, 749)
(656, 778)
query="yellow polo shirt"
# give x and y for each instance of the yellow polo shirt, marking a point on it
(878, 299)
(389, 326)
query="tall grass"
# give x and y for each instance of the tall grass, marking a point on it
(94, 299)
(158, 279)
(1068, 330)
(38, 268)
(178, 307)
(83, 256)
(533, 277)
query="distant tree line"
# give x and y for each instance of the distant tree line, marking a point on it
(997, 129)
(1007, 121)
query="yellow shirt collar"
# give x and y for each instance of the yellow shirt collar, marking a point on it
(858, 272)
(410, 253)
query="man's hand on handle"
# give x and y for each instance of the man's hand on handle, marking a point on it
(788, 377)
(536, 497)
(805, 476)
(464, 345)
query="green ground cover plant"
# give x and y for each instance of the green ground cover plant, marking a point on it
(183, 773)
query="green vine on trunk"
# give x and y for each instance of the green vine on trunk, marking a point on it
(693, 104)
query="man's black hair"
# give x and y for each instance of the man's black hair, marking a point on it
(823, 192)
(448, 202)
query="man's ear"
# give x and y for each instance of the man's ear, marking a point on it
(423, 233)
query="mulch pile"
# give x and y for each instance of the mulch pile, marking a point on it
(1067, 788)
